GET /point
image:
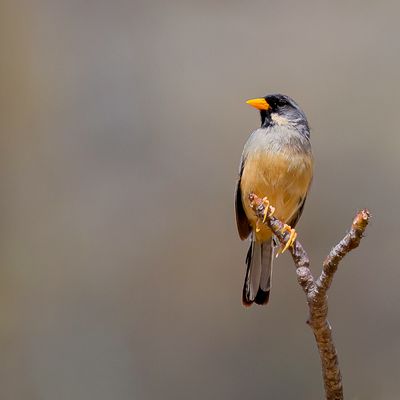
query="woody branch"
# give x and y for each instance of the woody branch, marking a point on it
(316, 289)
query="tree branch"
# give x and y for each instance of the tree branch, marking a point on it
(316, 290)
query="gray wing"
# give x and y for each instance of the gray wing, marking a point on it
(242, 222)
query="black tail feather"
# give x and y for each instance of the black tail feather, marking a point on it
(262, 297)
(257, 282)
(246, 287)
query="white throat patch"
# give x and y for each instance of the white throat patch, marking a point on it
(278, 119)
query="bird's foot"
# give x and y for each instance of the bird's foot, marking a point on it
(292, 237)
(269, 210)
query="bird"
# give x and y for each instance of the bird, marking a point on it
(277, 166)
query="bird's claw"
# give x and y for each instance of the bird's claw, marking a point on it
(268, 209)
(292, 237)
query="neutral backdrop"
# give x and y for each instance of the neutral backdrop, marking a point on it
(122, 125)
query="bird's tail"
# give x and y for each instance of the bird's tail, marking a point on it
(257, 283)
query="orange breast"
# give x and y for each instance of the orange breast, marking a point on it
(283, 177)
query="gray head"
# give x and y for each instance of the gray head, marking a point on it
(279, 109)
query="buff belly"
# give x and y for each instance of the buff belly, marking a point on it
(282, 177)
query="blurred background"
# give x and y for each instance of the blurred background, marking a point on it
(122, 125)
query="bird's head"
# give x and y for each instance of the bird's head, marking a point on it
(279, 109)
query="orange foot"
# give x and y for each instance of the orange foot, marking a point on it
(292, 237)
(269, 210)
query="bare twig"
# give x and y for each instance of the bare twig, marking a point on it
(316, 289)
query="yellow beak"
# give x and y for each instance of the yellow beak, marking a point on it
(259, 103)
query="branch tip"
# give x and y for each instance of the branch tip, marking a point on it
(361, 220)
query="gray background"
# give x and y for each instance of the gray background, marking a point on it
(122, 124)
